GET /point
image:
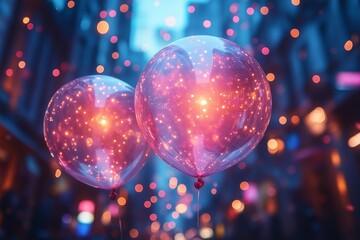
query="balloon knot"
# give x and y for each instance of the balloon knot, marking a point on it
(112, 194)
(199, 183)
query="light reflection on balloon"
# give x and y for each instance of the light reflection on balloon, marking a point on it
(91, 130)
(203, 104)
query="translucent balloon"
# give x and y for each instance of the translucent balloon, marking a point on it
(91, 130)
(203, 104)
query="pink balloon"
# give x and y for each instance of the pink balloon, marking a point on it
(203, 104)
(90, 129)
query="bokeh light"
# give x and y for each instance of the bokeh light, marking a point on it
(102, 27)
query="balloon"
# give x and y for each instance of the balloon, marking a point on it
(203, 104)
(91, 131)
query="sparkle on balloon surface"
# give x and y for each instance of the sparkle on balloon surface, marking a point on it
(91, 130)
(203, 104)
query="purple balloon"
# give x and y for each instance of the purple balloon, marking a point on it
(203, 104)
(91, 131)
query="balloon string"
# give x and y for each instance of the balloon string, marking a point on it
(120, 226)
(198, 211)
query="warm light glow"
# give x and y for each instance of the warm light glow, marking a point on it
(348, 45)
(295, 33)
(272, 144)
(100, 69)
(155, 226)
(354, 141)
(203, 102)
(295, 119)
(181, 189)
(173, 182)
(206, 232)
(341, 183)
(181, 208)
(134, 233)
(71, 4)
(270, 77)
(238, 206)
(106, 218)
(22, 64)
(275, 145)
(295, 2)
(57, 173)
(121, 201)
(102, 27)
(179, 236)
(335, 158)
(316, 121)
(282, 120)
(103, 122)
(89, 142)
(26, 20)
(244, 186)
(264, 10)
(220, 230)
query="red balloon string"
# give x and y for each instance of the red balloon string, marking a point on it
(199, 183)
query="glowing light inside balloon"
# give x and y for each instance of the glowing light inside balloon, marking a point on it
(91, 130)
(203, 104)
